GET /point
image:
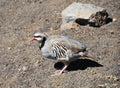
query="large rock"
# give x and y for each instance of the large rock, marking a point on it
(79, 10)
(84, 14)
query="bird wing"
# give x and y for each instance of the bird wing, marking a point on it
(62, 47)
(58, 49)
(75, 46)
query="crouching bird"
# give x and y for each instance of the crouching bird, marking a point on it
(60, 48)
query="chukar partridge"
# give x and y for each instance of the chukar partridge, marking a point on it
(60, 48)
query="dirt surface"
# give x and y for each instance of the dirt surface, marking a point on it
(21, 63)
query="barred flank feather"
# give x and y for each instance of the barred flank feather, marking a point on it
(59, 50)
(57, 47)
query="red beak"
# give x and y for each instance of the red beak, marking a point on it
(33, 39)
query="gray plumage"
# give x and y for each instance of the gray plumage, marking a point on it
(60, 48)
(56, 47)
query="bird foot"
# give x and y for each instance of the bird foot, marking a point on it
(57, 73)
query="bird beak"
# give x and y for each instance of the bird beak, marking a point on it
(33, 39)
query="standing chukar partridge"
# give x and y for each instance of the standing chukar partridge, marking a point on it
(60, 48)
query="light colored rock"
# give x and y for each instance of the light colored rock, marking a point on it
(112, 78)
(114, 19)
(24, 68)
(111, 31)
(79, 10)
(9, 48)
(101, 86)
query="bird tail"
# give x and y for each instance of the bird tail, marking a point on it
(86, 54)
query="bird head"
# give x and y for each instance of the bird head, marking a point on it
(38, 37)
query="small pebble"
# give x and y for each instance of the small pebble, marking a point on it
(51, 29)
(112, 78)
(9, 48)
(111, 31)
(114, 19)
(37, 63)
(114, 85)
(108, 85)
(93, 72)
(99, 57)
(24, 68)
(101, 86)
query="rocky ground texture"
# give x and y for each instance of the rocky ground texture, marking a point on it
(21, 63)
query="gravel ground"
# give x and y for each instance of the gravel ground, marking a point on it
(21, 63)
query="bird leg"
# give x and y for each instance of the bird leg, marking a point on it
(63, 69)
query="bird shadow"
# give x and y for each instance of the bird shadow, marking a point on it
(80, 64)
